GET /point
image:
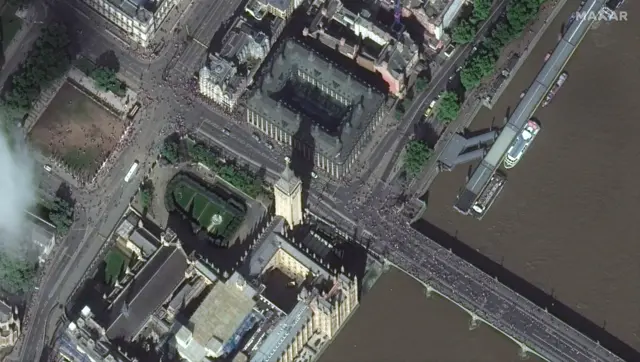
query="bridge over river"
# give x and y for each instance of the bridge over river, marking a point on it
(482, 296)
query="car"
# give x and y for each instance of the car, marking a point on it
(429, 109)
(226, 131)
(256, 137)
(47, 168)
(269, 145)
(314, 175)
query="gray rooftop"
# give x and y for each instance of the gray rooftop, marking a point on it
(260, 256)
(133, 8)
(145, 241)
(283, 334)
(5, 312)
(336, 126)
(216, 320)
(155, 282)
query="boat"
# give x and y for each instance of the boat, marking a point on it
(488, 195)
(561, 79)
(521, 143)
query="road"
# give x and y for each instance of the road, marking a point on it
(168, 102)
(394, 141)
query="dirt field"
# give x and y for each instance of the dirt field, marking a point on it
(77, 129)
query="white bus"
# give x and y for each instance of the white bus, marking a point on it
(132, 171)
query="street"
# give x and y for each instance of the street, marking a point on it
(170, 102)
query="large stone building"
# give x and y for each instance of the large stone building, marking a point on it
(138, 19)
(288, 197)
(356, 36)
(305, 102)
(326, 297)
(229, 72)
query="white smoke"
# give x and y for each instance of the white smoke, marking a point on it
(17, 190)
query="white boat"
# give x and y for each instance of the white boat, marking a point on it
(521, 143)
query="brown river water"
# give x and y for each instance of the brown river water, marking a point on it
(564, 232)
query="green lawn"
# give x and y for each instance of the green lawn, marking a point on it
(115, 265)
(11, 24)
(199, 204)
(183, 195)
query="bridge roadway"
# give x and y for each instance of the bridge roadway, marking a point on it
(486, 299)
(534, 96)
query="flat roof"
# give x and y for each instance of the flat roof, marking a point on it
(155, 282)
(220, 313)
(268, 99)
(534, 95)
(283, 334)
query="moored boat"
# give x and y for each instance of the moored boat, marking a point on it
(552, 93)
(521, 144)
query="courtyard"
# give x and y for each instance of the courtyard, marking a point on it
(77, 130)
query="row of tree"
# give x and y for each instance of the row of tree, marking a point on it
(106, 80)
(242, 178)
(467, 27)
(509, 27)
(48, 60)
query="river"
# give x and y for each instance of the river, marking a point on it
(563, 232)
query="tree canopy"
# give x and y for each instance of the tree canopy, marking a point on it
(61, 215)
(464, 32)
(518, 15)
(169, 151)
(448, 107)
(481, 10)
(106, 80)
(146, 194)
(17, 276)
(416, 155)
(422, 82)
(48, 60)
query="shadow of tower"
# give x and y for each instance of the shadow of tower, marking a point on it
(303, 153)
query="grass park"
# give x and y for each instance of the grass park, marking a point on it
(77, 130)
(219, 217)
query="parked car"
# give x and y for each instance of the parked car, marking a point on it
(226, 131)
(256, 137)
(47, 168)
(269, 145)
(314, 175)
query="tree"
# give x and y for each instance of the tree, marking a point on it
(416, 155)
(146, 194)
(48, 60)
(521, 12)
(169, 150)
(478, 66)
(448, 107)
(106, 80)
(481, 10)
(421, 84)
(61, 215)
(464, 32)
(17, 276)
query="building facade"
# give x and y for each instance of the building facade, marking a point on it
(138, 19)
(288, 197)
(348, 110)
(10, 326)
(279, 8)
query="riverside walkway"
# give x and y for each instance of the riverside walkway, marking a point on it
(527, 106)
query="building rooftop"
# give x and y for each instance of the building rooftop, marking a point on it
(145, 241)
(148, 290)
(244, 42)
(259, 258)
(217, 318)
(282, 97)
(135, 9)
(5, 312)
(283, 334)
(41, 233)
